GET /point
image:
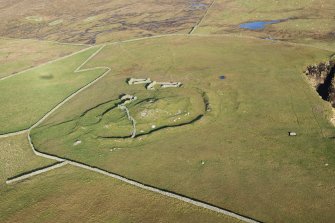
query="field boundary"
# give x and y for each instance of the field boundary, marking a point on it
(13, 133)
(135, 183)
(162, 36)
(63, 161)
(220, 35)
(46, 63)
(34, 172)
(45, 41)
(202, 18)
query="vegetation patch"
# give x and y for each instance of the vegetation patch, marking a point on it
(310, 22)
(22, 104)
(81, 193)
(18, 55)
(98, 21)
(17, 158)
(168, 108)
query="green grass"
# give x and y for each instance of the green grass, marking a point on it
(27, 97)
(71, 194)
(251, 165)
(153, 110)
(18, 55)
(17, 157)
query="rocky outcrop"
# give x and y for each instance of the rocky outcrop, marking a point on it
(331, 97)
(317, 73)
(322, 78)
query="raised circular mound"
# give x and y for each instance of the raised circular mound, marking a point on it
(143, 116)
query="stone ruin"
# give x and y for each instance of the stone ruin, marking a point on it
(132, 81)
(126, 99)
(151, 84)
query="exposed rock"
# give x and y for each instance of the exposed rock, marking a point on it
(322, 78)
(318, 73)
(331, 97)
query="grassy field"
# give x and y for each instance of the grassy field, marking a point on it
(27, 97)
(310, 22)
(239, 155)
(97, 21)
(70, 194)
(17, 157)
(223, 141)
(18, 55)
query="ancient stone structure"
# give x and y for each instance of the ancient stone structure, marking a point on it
(139, 81)
(127, 98)
(170, 84)
(151, 86)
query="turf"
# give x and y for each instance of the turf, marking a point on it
(17, 158)
(27, 97)
(71, 194)
(239, 155)
(18, 55)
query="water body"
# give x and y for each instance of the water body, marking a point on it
(258, 25)
(198, 5)
(222, 77)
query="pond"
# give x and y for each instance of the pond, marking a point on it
(257, 25)
(198, 5)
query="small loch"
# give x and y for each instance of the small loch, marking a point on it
(258, 25)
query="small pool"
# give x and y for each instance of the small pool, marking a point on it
(222, 77)
(198, 5)
(257, 25)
